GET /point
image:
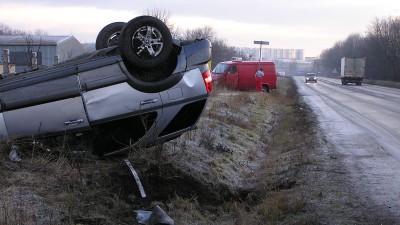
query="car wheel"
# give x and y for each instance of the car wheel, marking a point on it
(265, 89)
(145, 42)
(109, 35)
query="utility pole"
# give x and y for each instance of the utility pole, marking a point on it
(261, 43)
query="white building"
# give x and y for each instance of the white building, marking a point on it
(270, 54)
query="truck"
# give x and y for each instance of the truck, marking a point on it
(240, 75)
(352, 70)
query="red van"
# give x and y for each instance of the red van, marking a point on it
(239, 75)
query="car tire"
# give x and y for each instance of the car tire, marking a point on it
(145, 42)
(265, 88)
(109, 35)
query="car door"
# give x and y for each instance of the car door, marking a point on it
(119, 101)
(44, 108)
(232, 77)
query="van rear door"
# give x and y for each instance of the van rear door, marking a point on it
(269, 75)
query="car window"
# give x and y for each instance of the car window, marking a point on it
(220, 68)
(233, 70)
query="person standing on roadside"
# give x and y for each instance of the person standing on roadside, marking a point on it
(259, 75)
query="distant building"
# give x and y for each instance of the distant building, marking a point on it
(299, 54)
(278, 53)
(49, 49)
(270, 54)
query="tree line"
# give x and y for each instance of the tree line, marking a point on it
(380, 46)
(7, 30)
(221, 51)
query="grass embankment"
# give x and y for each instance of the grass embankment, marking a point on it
(248, 151)
(49, 187)
(241, 166)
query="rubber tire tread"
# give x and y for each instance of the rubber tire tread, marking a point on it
(127, 52)
(106, 32)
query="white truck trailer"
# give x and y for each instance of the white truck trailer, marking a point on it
(352, 70)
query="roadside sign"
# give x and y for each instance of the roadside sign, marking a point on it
(261, 42)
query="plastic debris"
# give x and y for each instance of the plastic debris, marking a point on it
(13, 156)
(155, 217)
(135, 175)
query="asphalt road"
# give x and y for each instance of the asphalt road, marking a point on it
(363, 125)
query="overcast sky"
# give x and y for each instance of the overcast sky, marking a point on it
(312, 25)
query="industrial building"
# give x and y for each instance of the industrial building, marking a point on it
(48, 50)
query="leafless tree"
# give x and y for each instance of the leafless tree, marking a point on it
(384, 42)
(40, 32)
(30, 43)
(221, 52)
(6, 30)
(380, 46)
(164, 16)
(205, 32)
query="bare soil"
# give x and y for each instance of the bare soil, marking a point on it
(256, 158)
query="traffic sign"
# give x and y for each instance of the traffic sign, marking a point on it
(261, 42)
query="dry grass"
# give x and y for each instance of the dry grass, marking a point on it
(254, 144)
(240, 167)
(58, 188)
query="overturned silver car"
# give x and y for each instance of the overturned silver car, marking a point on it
(139, 88)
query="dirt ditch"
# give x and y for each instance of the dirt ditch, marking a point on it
(162, 183)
